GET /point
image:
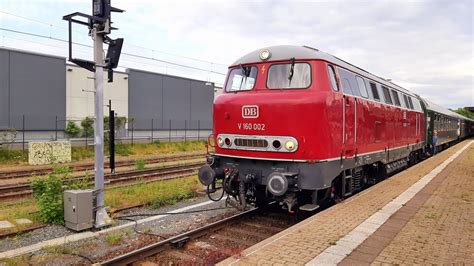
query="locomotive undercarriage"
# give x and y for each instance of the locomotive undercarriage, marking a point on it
(302, 185)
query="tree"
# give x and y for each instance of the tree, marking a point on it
(72, 129)
(87, 127)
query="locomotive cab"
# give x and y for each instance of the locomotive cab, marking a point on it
(267, 125)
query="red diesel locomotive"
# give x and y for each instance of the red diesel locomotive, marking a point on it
(303, 127)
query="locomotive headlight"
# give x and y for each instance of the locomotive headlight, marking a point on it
(265, 54)
(220, 141)
(290, 145)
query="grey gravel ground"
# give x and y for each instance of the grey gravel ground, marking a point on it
(97, 247)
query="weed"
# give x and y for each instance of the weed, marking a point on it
(113, 238)
(140, 164)
(21, 260)
(57, 250)
(48, 192)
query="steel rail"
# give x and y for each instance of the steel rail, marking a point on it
(179, 240)
(8, 174)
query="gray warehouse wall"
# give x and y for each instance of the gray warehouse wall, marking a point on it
(165, 98)
(36, 88)
(4, 89)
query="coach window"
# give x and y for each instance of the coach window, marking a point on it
(241, 79)
(374, 90)
(332, 78)
(289, 76)
(396, 99)
(362, 88)
(386, 94)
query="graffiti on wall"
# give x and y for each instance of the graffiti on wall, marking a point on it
(48, 152)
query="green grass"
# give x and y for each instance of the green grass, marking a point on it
(156, 194)
(124, 150)
(114, 238)
(12, 156)
(140, 164)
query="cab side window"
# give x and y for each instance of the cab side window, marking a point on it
(332, 78)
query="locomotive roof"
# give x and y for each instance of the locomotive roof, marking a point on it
(286, 52)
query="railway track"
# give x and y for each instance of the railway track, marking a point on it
(209, 244)
(113, 180)
(77, 167)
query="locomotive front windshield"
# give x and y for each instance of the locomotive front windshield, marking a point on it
(241, 79)
(289, 76)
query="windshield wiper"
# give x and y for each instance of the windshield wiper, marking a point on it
(292, 71)
(245, 73)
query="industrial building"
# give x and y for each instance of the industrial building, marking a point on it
(40, 93)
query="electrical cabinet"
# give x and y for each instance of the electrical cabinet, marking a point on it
(79, 209)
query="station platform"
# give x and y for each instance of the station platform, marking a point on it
(424, 214)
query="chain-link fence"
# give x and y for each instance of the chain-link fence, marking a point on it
(24, 129)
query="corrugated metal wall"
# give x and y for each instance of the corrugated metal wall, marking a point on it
(185, 102)
(4, 89)
(36, 87)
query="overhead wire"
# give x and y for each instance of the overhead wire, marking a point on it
(127, 54)
(130, 44)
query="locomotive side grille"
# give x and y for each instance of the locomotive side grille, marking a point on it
(255, 143)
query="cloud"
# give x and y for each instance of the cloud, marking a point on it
(426, 46)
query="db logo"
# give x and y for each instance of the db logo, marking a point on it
(250, 111)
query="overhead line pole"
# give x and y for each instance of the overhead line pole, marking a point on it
(102, 218)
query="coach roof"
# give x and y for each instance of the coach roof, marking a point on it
(286, 52)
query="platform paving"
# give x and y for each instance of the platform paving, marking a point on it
(335, 235)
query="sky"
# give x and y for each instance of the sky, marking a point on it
(424, 46)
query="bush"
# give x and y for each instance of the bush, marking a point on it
(72, 129)
(48, 192)
(87, 125)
